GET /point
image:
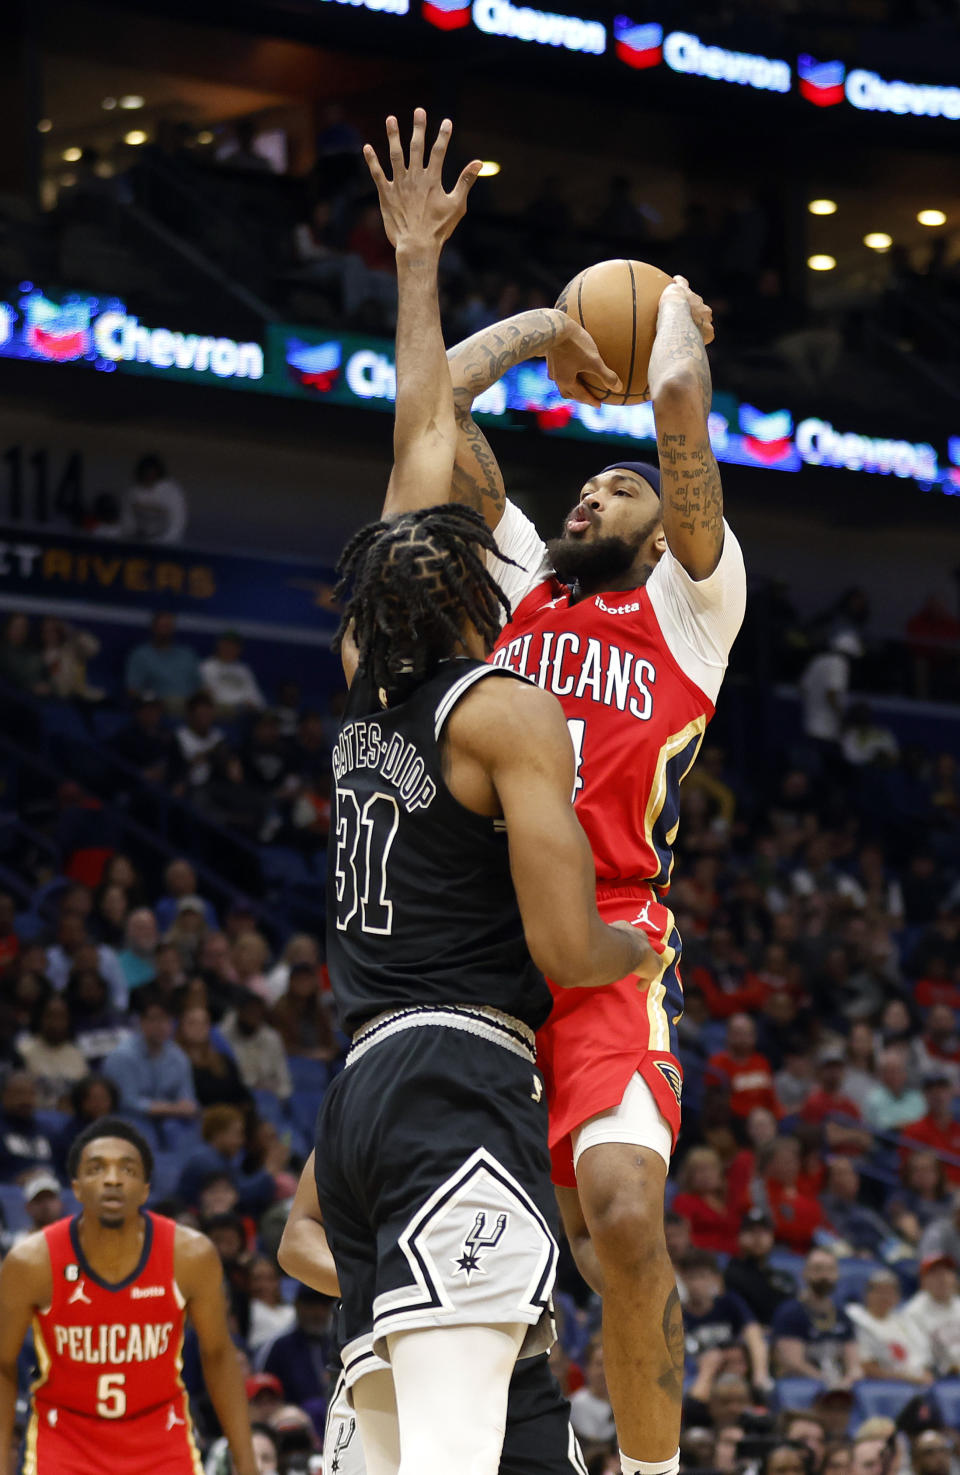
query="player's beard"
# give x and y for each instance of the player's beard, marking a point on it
(596, 563)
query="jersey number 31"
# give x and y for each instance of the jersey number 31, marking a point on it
(364, 838)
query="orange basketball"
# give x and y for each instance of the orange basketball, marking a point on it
(616, 301)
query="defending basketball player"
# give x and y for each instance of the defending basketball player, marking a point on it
(628, 618)
(107, 1293)
(460, 873)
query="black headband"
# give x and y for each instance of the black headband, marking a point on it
(649, 473)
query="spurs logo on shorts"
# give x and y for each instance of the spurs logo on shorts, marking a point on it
(671, 1075)
(468, 1261)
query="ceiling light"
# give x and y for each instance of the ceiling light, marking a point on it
(131, 101)
(932, 217)
(821, 263)
(108, 104)
(488, 169)
(135, 137)
(878, 240)
(205, 137)
(44, 125)
(72, 156)
(822, 207)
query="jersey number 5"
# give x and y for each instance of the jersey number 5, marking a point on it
(364, 838)
(111, 1395)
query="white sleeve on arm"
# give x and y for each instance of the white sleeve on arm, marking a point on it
(700, 617)
(518, 539)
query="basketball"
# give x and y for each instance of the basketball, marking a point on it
(616, 301)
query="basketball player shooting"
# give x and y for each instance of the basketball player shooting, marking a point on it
(628, 617)
(107, 1293)
(460, 875)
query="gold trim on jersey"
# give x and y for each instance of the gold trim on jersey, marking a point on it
(674, 745)
(657, 1019)
(178, 1364)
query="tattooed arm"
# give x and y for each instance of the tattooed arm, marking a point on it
(680, 389)
(481, 360)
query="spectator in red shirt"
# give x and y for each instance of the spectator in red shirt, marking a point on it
(9, 941)
(727, 986)
(938, 1130)
(833, 1112)
(938, 1048)
(743, 1070)
(761, 1129)
(796, 1216)
(714, 1225)
(937, 986)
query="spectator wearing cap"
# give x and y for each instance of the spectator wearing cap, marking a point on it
(890, 1345)
(265, 1396)
(715, 1320)
(749, 1273)
(812, 1337)
(257, 1047)
(701, 1200)
(229, 680)
(43, 1200)
(162, 667)
(935, 1312)
(893, 1103)
(24, 1143)
(300, 1358)
(862, 1231)
(152, 1075)
(147, 743)
(742, 1070)
(836, 1114)
(187, 930)
(50, 1053)
(180, 879)
(223, 1150)
(937, 1128)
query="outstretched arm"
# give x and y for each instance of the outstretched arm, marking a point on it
(680, 388)
(200, 1278)
(418, 217)
(482, 359)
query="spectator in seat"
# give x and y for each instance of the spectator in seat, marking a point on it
(180, 879)
(762, 1127)
(860, 1070)
(938, 1129)
(197, 741)
(303, 1020)
(823, 686)
(934, 1312)
(777, 1188)
(98, 1027)
(829, 1109)
(701, 1200)
(229, 681)
(257, 1048)
(215, 968)
(24, 1145)
(160, 666)
(922, 1198)
(811, 1337)
(890, 1345)
(795, 1083)
(727, 1399)
(250, 956)
(590, 1411)
(715, 1320)
(147, 744)
(942, 1236)
(301, 948)
(188, 930)
(310, 751)
(742, 1069)
(155, 508)
(92, 1098)
(223, 1150)
(789, 1457)
(750, 1275)
(800, 1427)
(136, 958)
(300, 1358)
(152, 1075)
(216, 1080)
(938, 1048)
(930, 1453)
(51, 1054)
(862, 1230)
(108, 921)
(21, 662)
(73, 949)
(43, 1199)
(270, 1315)
(9, 941)
(893, 1103)
(65, 651)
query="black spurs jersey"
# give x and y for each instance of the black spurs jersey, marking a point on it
(421, 907)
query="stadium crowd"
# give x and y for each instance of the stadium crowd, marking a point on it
(814, 1218)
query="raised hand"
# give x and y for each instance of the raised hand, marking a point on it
(702, 314)
(415, 207)
(574, 357)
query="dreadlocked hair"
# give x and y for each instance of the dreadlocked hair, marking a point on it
(407, 586)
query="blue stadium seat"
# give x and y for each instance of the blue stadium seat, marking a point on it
(289, 1288)
(166, 1174)
(285, 867)
(946, 1395)
(269, 1108)
(308, 1075)
(304, 1106)
(852, 1281)
(787, 1260)
(13, 1207)
(797, 1392)
(52, 1122)
(879, 1398)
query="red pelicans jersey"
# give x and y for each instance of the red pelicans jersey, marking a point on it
(637, 674)
(109, 1393)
